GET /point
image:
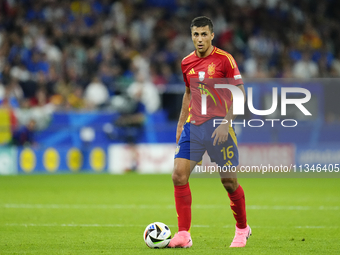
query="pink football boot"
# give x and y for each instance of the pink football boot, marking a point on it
(181, 240)
(241, 237)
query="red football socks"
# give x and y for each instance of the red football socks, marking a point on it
(238, 206)
(183, 206)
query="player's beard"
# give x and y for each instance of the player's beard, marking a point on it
(203, 50)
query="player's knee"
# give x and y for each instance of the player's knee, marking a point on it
(230, 184)
(179, 178)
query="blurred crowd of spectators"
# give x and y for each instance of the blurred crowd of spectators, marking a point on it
(79, 54)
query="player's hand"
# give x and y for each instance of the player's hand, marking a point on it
(178, 133)
(221, 134)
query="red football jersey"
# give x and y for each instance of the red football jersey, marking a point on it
(201, 74)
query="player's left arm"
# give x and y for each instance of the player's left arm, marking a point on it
(222, 131)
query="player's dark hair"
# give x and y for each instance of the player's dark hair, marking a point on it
(202, 21)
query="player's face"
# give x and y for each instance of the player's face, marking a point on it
(201, 37)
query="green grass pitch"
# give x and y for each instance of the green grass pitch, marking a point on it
(107, 214)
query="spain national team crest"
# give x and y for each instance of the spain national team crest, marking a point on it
(201, 76)
(211, 69)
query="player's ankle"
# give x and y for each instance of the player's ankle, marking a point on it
(241, 227)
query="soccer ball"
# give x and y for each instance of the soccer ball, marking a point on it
(157, 235)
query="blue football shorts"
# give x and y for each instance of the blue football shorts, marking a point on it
(196, 139)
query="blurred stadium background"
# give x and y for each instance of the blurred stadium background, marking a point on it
(96, 85)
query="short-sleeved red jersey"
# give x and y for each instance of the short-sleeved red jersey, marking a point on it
(201, 74)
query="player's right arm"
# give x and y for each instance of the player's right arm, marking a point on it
(184, 113)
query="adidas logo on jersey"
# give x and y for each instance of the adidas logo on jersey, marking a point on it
(192, 71)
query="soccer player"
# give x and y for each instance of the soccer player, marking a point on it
(196, 133)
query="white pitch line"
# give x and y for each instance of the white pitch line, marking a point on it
(131, 206)
(142, 226)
